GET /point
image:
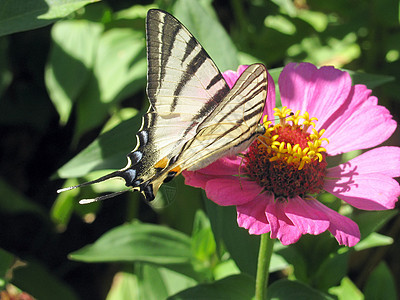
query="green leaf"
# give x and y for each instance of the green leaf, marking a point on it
(234, 287)
(159, 283)
(5, 72)
(200, 222)
(20, 15)
(242, 246)
(373, 240)
(138, 242)
(297, 260)
(120, 63)
(75, 43)
(288, 290)
(38, 281)
(108, 151)
(209, 32)
(370, 80)
(277, 263)
(12, 202)
(124, 286)
(370, 221)
(203, 243)
(380, 284)
(119, 71)
(347, 290)
(332, 271)
(6, 261)
(63, 207)
(225, 268)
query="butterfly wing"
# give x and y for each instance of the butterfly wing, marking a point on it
(233, 125)
(229, 129)
(183, 85)
(193, 118)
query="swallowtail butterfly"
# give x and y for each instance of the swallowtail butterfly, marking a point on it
(194, 118)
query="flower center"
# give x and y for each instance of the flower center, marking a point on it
(288, 160)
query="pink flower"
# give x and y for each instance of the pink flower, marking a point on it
(272, 184)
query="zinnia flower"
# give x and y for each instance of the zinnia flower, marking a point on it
(274, 182)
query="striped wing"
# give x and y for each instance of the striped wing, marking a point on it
(183, 85)
(193, 118)
(229, 129)
(233, 125)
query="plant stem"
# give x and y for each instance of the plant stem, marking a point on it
(264, 259)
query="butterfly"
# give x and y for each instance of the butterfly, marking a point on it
(194, 118)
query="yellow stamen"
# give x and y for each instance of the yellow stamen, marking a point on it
(285, 151)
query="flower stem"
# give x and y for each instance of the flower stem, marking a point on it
(264, 259)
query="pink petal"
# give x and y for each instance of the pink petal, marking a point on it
(225, 166)
(305, 217)
(231, 76)
(366, 181)
(196, 179)
(361, 117)
(376, 192)
(232, 191)
(382, 160)
(270, 101)
(320, 92)
(343, 229)
(281, 227)
(251, 215)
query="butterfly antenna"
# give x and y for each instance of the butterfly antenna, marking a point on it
(103, 178)
(101, 198)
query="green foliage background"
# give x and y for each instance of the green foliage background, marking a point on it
(72, 70)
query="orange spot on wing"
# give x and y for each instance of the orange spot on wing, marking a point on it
(177, 169)
(162, 163)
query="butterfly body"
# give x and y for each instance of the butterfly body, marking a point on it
(194, 118)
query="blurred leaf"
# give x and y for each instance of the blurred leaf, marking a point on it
(347, 290)
(75, 43)
(380, 284)
(224, 269)
(370, 221)
(277, 263)
(108, 151)
(6, 261)
(63, 207)
(209, 32)
(308, 255)
(5, 72)
(203, 243)
(119, 71)
(370, 80)
(316, 19)
(296, 259)
(124, 287)
(336, 52)
(287, 290)
(238, 287)
(138, 242)
(281, 24)
(35, 279)
(332, 271)
(12, 202)
(373, 240)
(20, 15)
(120, 63)
(200, 222)
(159, 283)
(242, 246)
